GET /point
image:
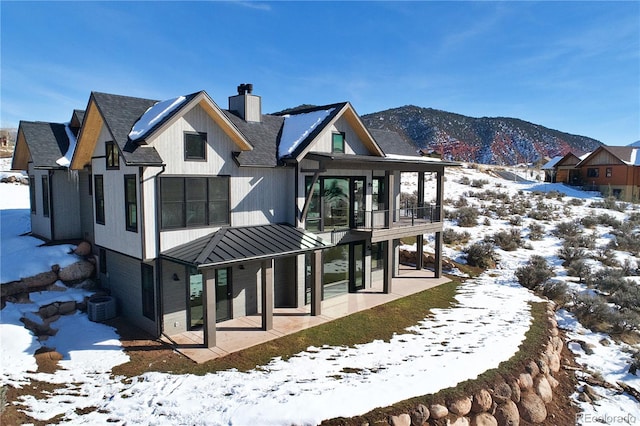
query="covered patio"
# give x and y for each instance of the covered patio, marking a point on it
(241, 333)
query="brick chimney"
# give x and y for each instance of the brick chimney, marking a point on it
(245, 104)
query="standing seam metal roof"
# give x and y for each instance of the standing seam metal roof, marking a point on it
(235, 245)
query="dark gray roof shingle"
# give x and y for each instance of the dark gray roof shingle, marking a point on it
(392, 143)
(263, 136)
(47, 142)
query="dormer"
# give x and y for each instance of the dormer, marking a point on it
(246, 105)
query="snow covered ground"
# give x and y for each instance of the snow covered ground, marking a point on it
(451, 346)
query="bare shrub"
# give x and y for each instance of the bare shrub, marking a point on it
(535, 273)
(575, 202)
(451, 237)
(479, 183)
(567, 229)
(556, 291)
(536, 231)
(481, 254)
(515, 220)
(464, 180)
(570, 253)
(579, 268)
(467, 217)
(508, 240)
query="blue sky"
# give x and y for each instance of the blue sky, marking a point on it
(571, 66)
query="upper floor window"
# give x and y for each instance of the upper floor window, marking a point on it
(98, 192)
(609, 172)
(112, 155)
(593, 172)
(188, 202)
(337, 143)
(195, 146)
(130, 203)
(45, 196)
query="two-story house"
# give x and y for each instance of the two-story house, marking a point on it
(201, 214)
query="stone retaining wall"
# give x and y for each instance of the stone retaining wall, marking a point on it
(506, 403)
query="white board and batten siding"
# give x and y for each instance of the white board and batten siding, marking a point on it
(352, 143)
(113, 234)
(257, 195)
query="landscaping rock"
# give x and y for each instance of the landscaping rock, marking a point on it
(67, 308)
(400, 420)
(52, 355)
(532, 408)
(460, 407)
(420, 415)
(552, 381)
(515, 391)
(438, 411)
(554, 362)
(502, 393)
(27, 284)
(83, 249)
(483, 419)
(460, 421)
(48, 311)
(78, 271)
(532, 368)
(525, 381)
(543, 366)
(482, 401)
(507, 414)
(543, 389)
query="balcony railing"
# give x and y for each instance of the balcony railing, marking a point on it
(338, 219)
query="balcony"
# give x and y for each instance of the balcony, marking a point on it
(406, 221)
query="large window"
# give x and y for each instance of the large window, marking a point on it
(45, 196)
(148, 294)
(32, 193)
(112, 156)
(98, 193)
(336, 203)
(377, 256)
(188, 202)
(377, 193)
(337, 143)
(131, 203)
(593, 172)
(195, 146)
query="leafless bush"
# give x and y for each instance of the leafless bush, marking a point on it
(451, 237)
(467, 216)
(535, 273)
(481, 254)
(507, 240)
(536, 231)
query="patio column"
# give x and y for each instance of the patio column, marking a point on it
(439, 196)
(388, 267)
(316, 286)
(438, 256)
(420, 211)
(389, 199)
(419, 252)
(267, 294)
(209, 305)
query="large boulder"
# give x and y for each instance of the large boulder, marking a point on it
(400, 420)
(83, 249)
(28, 284)
(532, 408)
(460, 407)
(420, 415)
(543, 389)
(482, 401)
(438, 411)
(76, 272)
(507, 414)
(502, 393)
(483, 419)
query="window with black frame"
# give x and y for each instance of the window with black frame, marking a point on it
(195, 146)
(190, 202)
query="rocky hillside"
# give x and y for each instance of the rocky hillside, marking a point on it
(503, 141)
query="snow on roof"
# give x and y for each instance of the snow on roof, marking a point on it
(66, 160)
(153, 115)
(414, 158)
(551, 163)
(297, 127)
(585, 155)
(635, 157)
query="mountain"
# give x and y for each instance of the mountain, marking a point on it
(499, 140)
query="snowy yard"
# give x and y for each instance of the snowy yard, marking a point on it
(453, 345)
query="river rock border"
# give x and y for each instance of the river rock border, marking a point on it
(504, 404)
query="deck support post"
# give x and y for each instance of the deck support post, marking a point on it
(209, 302)
(316, 286)
(267, 294)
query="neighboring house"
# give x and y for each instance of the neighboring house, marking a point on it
(201, 214)
(613, 170)
(563, 169)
